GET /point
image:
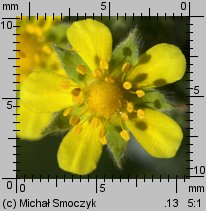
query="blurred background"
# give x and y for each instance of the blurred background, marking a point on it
(40, 157)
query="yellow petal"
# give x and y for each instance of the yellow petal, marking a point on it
(79, 153)
(92, 40)
(31, 124)
(44, 91)
(160, 65)
(158, 134)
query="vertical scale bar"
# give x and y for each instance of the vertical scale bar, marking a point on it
(189, 89)
(16, 31)
(109, 10)
(29, 10)
(176, 184)
(16, 103)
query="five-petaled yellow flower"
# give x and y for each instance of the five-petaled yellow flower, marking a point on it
(106, 100)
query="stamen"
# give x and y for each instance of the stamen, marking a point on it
(46, 49)
(97, 73)
(77, 129)
(124, 116)
(140, 114)
(95, 122)
(78, 100)
(103, 140)
(67, 111)
(81, 69)
(140, 93)
(103, 65)
(65, 85)
(75, 92)
(130, 107)
(102, 132)
(126, 67)
(125, 135)
(74, 120)
(37, 58)
(30, 29)
(109, 80)
(127, 85)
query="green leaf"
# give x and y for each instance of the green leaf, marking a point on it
(126, 51)
(155, 100)
(58, 125)
(70, 60)
(116, 144)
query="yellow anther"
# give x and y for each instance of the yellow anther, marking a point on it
(124, 116)
(77, 129)
(130, 107)
(74, 120)
(140, 113)
(67, 111)
(81, 69)
(31, 29)
(102, 132)
(95, 122)
(65, 85)
(37, 58)
(109, 80)
(140, 93)
(97, 73)
(46, 49)
(78, 99)
(125, 135)
(103, 65)
(126, 67)
(127, 85)
(103, 140)
(75, 92)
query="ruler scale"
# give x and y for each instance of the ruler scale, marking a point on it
(107, 190)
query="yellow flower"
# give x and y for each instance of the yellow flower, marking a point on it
(103, 108)
(35, 52)
(35, 55)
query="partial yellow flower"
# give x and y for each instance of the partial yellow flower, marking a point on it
(105, 105)
(34, 50)
(35, 54)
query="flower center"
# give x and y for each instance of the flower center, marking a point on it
(105, 98)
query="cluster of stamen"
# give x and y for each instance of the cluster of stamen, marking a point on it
(130, 107)
(105, 98)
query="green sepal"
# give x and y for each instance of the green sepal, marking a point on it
(57, 35)
(115, 143)
(70, 60)
(155, 100)
(59, 124)
(126, 51)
